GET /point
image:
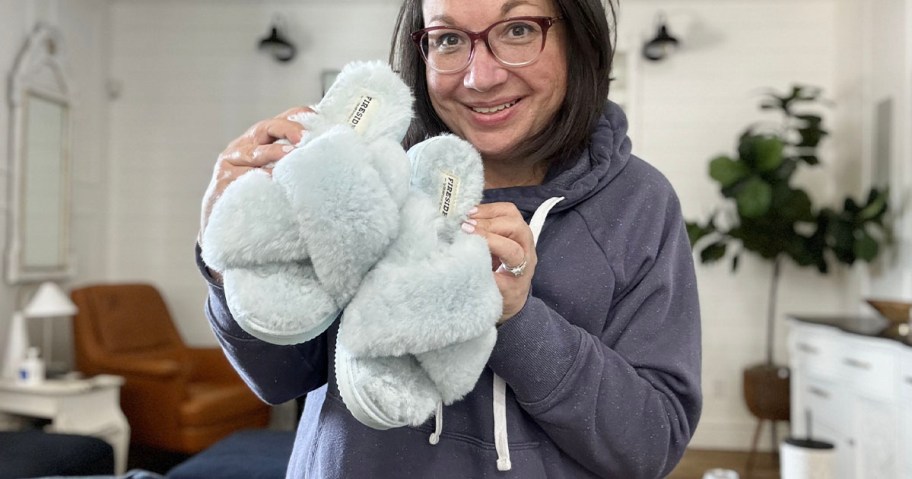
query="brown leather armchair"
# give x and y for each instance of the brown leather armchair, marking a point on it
(175, 397)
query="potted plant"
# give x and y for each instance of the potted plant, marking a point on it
(775, 219)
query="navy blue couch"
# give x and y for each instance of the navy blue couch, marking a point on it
(35, 453)
(248, 454)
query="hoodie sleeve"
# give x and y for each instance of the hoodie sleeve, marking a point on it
(275, 373)
(624, 402)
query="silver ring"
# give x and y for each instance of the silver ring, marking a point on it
(517, 270)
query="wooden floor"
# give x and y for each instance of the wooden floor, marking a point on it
(697, 461)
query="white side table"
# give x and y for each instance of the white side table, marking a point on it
(81, 406)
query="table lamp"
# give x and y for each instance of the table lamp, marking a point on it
(48, 302)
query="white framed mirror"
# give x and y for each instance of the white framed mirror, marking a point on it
(39, 244)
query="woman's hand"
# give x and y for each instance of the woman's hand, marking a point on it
(512, 247)
(256, 148)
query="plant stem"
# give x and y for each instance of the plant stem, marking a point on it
(771, 310)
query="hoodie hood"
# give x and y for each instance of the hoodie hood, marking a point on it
(599, 163)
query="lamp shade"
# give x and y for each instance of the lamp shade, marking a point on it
(49, 301)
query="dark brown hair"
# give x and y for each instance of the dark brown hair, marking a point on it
(589, 34)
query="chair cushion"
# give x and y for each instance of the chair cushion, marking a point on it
(250, 454)
(211, 403)
(36, 453)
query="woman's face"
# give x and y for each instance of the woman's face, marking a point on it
(492, 106)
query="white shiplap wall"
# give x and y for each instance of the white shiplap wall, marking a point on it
(886, 66)
(86, 37)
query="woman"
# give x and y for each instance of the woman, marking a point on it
(599, 343)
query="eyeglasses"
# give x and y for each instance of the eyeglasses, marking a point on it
(514, 42)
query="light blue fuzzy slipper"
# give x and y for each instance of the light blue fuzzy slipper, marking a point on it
(429, 305)
(293, 247)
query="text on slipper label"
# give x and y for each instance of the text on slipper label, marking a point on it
(449, 189)
(360, 116)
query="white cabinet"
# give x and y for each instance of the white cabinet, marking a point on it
(857, 391)
(819, 399)
(905, 398)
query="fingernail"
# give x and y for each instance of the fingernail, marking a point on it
(468, 228)
(472, 222)
(473, 211)
(287, 148)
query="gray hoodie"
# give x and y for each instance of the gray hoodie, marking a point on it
(602, 365)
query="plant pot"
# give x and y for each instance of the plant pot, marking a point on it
(767, 391)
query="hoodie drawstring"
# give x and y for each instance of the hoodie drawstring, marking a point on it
(501, 443)
(438, 419)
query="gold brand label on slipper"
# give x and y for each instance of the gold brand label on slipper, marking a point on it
(360, 115)
(449, 190)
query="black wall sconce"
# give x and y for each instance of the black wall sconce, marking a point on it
(277, 45)
(663, 44)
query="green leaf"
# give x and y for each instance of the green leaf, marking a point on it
(866, 247)
(727, 171)
(757, 238)
(713, 252)
(696, 232)
(762, 152)
(803, 258)
(769, 153)
(823, 267)
(842, 240)
(876, 207)
(810, 136)
(810, 159)
(786, 170)
(796, 206)
(805, 93)
(810, 119)
(755, 198)
(773, 100)
(850, 206)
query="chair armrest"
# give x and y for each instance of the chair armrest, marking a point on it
(210, 364)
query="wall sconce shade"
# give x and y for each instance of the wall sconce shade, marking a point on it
(277, 45)
(662, 44)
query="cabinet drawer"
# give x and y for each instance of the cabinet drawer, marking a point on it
(826, 403)
(905, 382)
(870, 369)
(815, 352)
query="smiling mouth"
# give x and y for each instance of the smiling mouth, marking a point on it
(494, 109)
